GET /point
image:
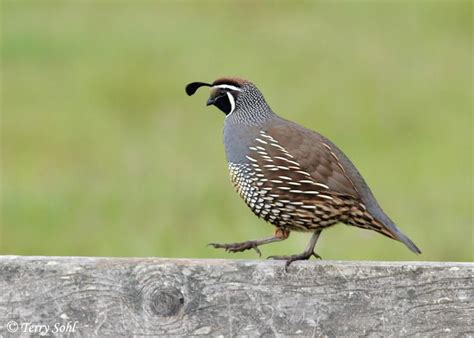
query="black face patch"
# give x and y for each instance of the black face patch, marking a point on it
(223, 98)
(223, 103)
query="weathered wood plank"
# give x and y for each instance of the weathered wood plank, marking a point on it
(151, 296)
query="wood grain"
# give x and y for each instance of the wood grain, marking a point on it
(154, 296)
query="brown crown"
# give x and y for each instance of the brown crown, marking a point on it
(234, 81)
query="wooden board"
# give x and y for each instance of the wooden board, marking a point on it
(153, 296)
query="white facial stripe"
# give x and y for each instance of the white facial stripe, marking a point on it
(232, 102)
(224, 86)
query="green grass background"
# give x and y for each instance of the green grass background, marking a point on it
(104, 154)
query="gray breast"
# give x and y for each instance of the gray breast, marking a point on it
(237, 140)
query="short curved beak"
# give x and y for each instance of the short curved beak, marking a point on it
(210, 101)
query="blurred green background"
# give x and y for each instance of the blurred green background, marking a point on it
(103, 154)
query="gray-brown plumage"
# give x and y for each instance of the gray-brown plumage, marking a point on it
(288, 175)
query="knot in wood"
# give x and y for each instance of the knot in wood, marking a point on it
(166, 302)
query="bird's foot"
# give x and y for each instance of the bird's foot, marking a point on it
(293, 258)
(238, 247)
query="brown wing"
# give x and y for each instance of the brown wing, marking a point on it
(315, 155)
(297, 188)
(313, 183)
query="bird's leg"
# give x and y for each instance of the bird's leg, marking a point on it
(309, 251)
(280, 235)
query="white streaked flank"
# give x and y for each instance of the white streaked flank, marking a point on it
(321, 185)
(310, 192)
(287, 160)
(327, 146)
(303, 172)
(277, 146)
(276, 181)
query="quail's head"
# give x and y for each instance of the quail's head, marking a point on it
(229, 94)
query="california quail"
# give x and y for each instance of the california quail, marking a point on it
(292, 177)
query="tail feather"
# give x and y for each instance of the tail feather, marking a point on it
(405, 240)
(389, 229)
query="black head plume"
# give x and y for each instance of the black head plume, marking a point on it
(193, 86)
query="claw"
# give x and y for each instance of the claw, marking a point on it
(287, 265)
(294, 258)
(237, 247)
(258, 250)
